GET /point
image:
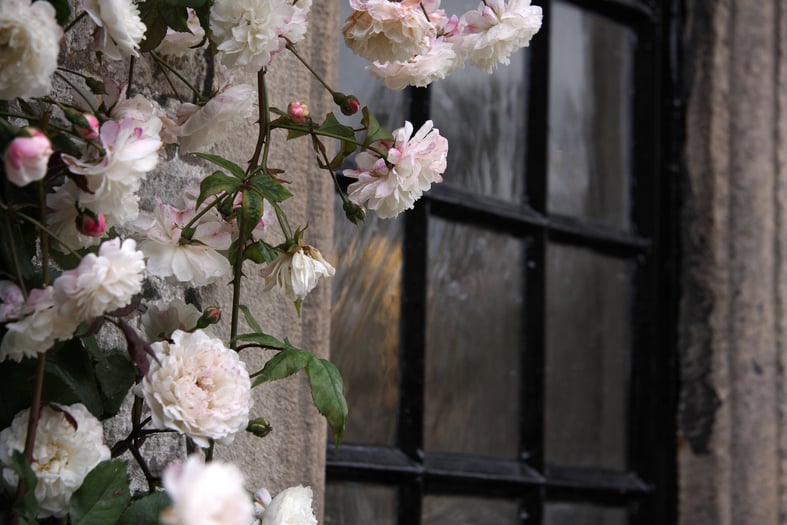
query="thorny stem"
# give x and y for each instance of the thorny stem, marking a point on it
(75, 21)
(333, 175)
(236, 282)
(145, 469)
(202, 212)
(131, 63)
(164, 63)
(263, 138)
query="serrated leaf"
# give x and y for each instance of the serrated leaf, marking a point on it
(284, 364)
(295, 133)
(270, 188)
(328, 394)
(146, 510)
(28, 505)
(103, 496)
(263, 340)
(334, 127)
(250, 320)
(374, 131)
(224, 163)
(215, 183)
(261, 252)
(251, 212)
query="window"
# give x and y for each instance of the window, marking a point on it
(508, 349)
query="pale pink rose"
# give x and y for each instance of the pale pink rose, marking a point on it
(120, 27)
(292, 506)
(65, 451)
(298, 112)
(91, 131)
(296, 274)
(145, 113)
(496, 29)
(198, 387)
(385, 31)
(38, 326)
(206, 494)
(198, 262)
(101, 283)
(440, 60)
(178, 43)
(202, 127)
(30, 39)
(413, 165)
(131, 151)
(26, 158)
(248, 33)
(92, 225)
(11, 301)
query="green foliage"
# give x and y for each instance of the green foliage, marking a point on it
(146, 510)
(328, 394)
(250, 213)
(270, 188)
(216, 183)
(233, 168)
(374, 131)
(62, 11)
(103, 496)
(262, 340)
(283, 364)
(250, 318)
(158, 15)
(261, 252)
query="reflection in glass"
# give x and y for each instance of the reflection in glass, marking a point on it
(483, 118)
(588, 341)
(570, 514)
(359, 504)
(473, 340)
(365, 323)
(590, 116)
(447, 510)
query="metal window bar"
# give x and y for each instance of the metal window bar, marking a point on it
(650, 481)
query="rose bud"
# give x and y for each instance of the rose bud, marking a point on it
(298, 112)
(91, 224)
(26, 158)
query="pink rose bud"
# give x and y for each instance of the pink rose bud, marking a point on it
(26, 158)
(211, 315)
(298, 112)
(349, 104)
(90, 131)
(90, 224)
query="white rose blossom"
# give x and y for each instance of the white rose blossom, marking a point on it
(202, 127)
(206, 494)
(162, 319)
(101, 283)
(178, 43)
(198, 262)
(414, 162)
(437, 62)
(292, 506)
(198, 387)
(26, 158)
(248, 33)
(497, 29)
(385, 31)
(64, 453)
(296, 274)
(30, 38)
(120, 27)
(39, 325)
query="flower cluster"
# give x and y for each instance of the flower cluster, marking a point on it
(83, 251)
(413, 42)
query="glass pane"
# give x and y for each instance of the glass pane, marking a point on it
(387, 105)
(569, 514)
(588, 340)
(590, 124)
(359, 504)
(446, 510)
(365, 323)
(473, 340)
(483, 118)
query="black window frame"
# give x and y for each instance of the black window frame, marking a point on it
(649, 488)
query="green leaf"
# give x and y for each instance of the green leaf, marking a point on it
(284, 364)
(295, 133)
(146, 510)
(155, 25)
(72, 367)
(250, 320)
(261, 252)
(62, 11)
(28, 505)
(116, 375)
(334, 127)
(251, 212)
(218, 182)
(103, 496)
(16, 388)
(374, 131)
(270, 188)
(224, 163)
(263, 340)
(328, 394)
(175, 16)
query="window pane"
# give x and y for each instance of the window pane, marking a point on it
(483, 118)
(569, 514)
(365, 323)
(590, 108)
(473, 338)
(446, 510)
(588, 337)
(359, 504)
